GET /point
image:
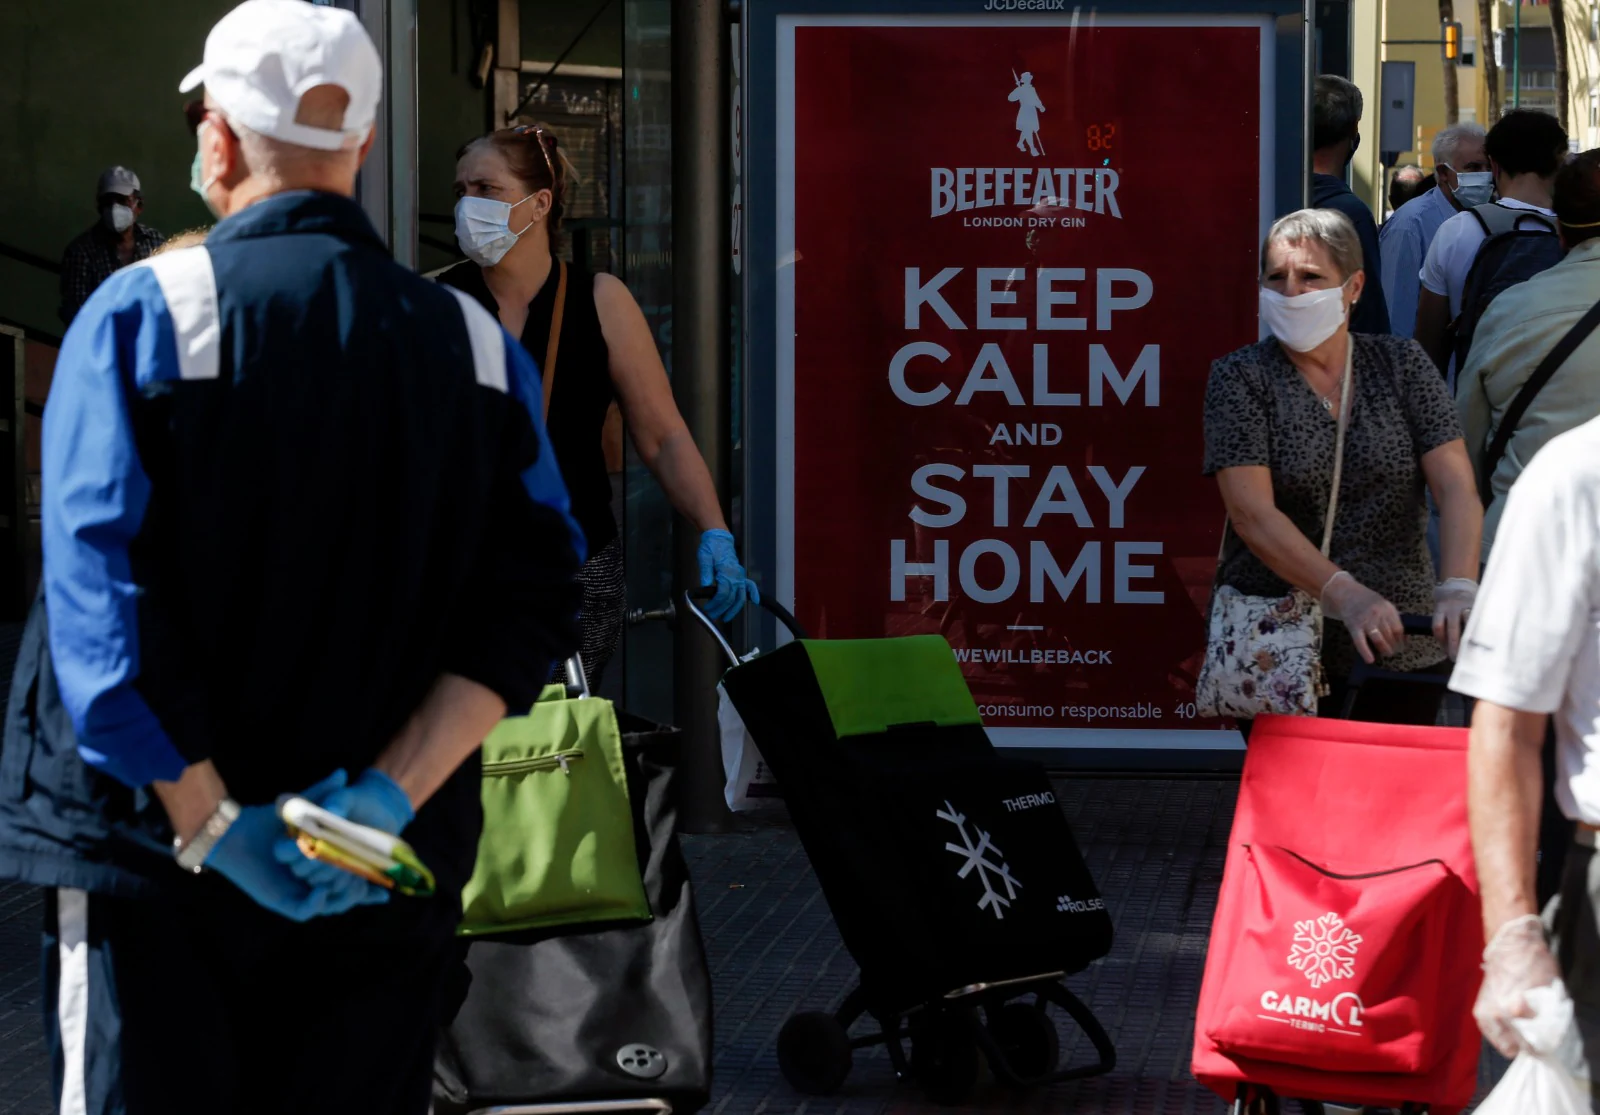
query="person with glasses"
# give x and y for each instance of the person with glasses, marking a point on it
(114, 241)
(593, 346)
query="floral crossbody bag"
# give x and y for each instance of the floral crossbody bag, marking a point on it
(1264, 653)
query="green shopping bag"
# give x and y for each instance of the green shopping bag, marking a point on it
(557, 845)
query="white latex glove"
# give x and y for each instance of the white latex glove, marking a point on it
(1374, 623)
(1517, 960)
(1452, 601)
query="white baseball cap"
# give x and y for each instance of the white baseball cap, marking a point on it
(263, 56)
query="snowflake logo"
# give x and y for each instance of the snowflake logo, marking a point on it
(1324, 949)
(975, 857)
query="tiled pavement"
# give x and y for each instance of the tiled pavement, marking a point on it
(1156, 846)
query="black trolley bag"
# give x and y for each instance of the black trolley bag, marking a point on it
(592, 1018)
(951, 871)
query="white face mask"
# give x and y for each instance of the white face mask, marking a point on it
(483, 229)
(1306, 320)
(121, 218)
(200, 185)
(1474, 187)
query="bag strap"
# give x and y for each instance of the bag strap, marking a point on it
(547, 371)
(1524, 399)
(1338, 445)
(1498, 219)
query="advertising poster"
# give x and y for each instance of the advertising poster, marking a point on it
(1008, 255)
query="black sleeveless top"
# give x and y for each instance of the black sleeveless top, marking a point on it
(582, 393)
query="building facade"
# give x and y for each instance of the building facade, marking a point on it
(1509, 58)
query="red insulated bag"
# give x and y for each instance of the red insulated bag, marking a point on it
(1340, 969)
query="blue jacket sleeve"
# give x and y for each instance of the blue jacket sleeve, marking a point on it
(95, 492)
(520, 616)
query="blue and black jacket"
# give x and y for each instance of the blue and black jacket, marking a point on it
(287, 485)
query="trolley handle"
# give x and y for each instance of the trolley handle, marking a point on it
(577, 683)
(693, 597)
(778, 611)
(1417, 625)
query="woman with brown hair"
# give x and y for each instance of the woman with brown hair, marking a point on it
(593, 345)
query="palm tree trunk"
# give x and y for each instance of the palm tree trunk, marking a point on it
(1491, 69)
(1452, 85)
(1558, 26)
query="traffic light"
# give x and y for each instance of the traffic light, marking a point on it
(1451, 42)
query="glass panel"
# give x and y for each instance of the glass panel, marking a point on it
(585, 115)
(647, 269)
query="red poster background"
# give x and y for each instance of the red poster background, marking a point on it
(875, 109)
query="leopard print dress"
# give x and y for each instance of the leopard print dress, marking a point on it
(1260, 411)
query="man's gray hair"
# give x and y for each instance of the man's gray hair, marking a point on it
(282, 160)
(1448, 141)
(1328, 227)
(1335, 111)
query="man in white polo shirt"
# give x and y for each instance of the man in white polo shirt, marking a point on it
(1532, 652)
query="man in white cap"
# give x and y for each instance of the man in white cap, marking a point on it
(111, 243)
(303, 535)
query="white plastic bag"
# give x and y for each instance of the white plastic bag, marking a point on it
(747, 775)
(1539, 1081)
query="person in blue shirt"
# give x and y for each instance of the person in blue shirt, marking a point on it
(1464, 181)
(303, 534)
(1405, 185)
(1335, 135)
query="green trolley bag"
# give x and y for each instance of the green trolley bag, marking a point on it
(558, 844)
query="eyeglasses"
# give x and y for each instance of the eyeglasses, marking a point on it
(539, 136)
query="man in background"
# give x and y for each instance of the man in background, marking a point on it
(1335, 135)
(115, 240)
(1403, 186)
(1463, 181)
(1525, 148)
(1519, 330)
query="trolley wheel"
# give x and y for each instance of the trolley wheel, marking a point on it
(1028, 1038)
(944, 1057)
(1262, 1103)
(814, 1053)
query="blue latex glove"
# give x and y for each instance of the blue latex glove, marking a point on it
(374, 800)
(718, 562)
(251, 855)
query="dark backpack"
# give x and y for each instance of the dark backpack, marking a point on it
(1518, 244)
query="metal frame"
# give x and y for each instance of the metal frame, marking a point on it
(701, 245)
(390, 198)
(400, 96)
(1286, 185)
(587, 1107)
(960, 1010)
